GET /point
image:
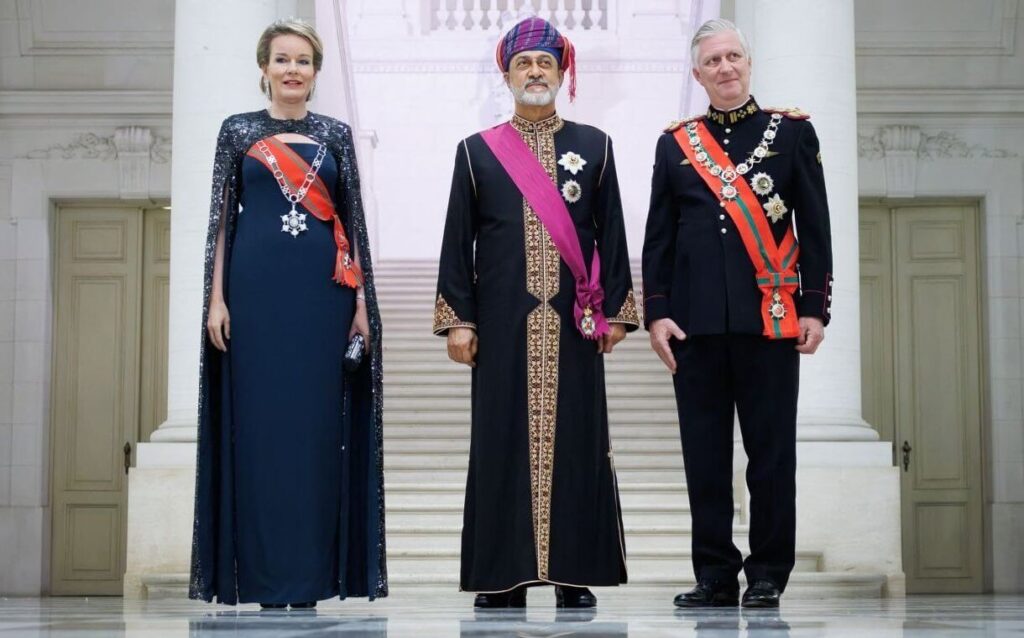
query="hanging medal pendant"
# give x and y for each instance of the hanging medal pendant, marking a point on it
(294, 222)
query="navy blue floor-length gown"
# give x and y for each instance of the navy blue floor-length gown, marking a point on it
(289, 329)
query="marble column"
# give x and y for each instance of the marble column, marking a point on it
(215, 74)
(804, 55)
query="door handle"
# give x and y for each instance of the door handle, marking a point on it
(906, 455)
(127, 456)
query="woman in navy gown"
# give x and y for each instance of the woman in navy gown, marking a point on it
(289, 487)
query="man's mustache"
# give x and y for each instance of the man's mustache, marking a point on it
(537, 82)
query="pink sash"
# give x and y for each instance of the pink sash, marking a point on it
(542, 194)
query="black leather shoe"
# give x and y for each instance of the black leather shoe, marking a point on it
(762, 594)
(307, 605)
(568, 597)
(272, 606)
(710, 593)
(515, 599)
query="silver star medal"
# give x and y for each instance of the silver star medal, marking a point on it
(293, 222)
(572, 162)
(775, 208)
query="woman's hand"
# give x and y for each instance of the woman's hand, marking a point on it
(218, 325)
(361, 324)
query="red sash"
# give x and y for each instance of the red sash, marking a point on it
(317, 202)
(775, 264)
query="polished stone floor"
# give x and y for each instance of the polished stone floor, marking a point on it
(436, 614)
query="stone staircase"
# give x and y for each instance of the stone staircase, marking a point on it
(426, 447)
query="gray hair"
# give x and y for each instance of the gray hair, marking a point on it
(714, 27)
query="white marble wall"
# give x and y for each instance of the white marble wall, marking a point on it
(56, 90)
(955, 71)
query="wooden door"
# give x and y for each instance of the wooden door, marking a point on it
(98, 380)
(926, 315)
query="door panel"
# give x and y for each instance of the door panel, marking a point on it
(920, 321)
(95, 381)
(156, 285)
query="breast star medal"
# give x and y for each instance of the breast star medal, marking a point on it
(571, 191)
(572, 162)
(762, 184)
(775, 208)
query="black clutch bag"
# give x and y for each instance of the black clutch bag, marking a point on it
(354, 353)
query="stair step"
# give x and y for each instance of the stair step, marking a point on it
(437, 461)
(639, 564)
(435, 431)
(444, 587)
(407, 475)
(623, 446)
(448, 403)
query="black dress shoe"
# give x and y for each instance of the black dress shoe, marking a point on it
(710, 593)
(515, 599)
(272, 606)
(762, 594)
(568, 597)
(307, 605)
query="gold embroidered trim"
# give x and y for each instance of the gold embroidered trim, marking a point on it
(552, 124)
(628, 312)
(445, 317)
(543, 328)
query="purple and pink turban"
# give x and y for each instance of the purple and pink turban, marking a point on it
(537, 34)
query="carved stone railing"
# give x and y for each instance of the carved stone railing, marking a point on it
(494, 16)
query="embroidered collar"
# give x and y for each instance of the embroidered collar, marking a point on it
(552, 124)
(735, 115)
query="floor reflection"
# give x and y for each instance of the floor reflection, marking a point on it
(735, 622)
(567, 623)
(284, 623)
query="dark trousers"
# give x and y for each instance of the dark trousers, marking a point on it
(760, 378)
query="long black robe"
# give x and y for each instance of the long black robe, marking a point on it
(361, 548)
(541, 497)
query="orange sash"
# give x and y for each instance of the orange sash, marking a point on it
(317, 202)
(775, 264)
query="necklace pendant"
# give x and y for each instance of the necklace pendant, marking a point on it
(293, 222)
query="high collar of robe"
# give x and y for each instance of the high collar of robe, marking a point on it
(733, 116)
(551, 124)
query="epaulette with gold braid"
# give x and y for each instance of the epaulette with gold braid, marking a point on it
(791, 112)
(674, 125)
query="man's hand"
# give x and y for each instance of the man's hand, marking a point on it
(662, 330)
(616, 333)
(812, 333)
(462, 346)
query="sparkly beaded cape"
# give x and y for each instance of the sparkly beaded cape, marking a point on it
(362, 554)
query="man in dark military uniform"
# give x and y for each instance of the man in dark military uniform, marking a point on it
(731, 301)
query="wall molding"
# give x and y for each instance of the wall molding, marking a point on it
(996, 39)
(984, 102)
(69, 103)
(38, 36)
(911, 140)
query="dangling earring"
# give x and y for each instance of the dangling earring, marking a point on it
(311, 90)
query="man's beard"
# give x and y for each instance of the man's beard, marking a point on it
(527, 98)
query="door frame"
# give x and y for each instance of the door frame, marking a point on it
(984, 360)
(54, 207)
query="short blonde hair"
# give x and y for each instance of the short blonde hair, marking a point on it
(288, 26)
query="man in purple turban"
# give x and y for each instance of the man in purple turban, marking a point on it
(534, 288)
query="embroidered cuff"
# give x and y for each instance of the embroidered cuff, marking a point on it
(445, 318)
(628, 312)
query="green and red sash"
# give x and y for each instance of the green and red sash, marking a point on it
(775, 264)
(317, 202)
